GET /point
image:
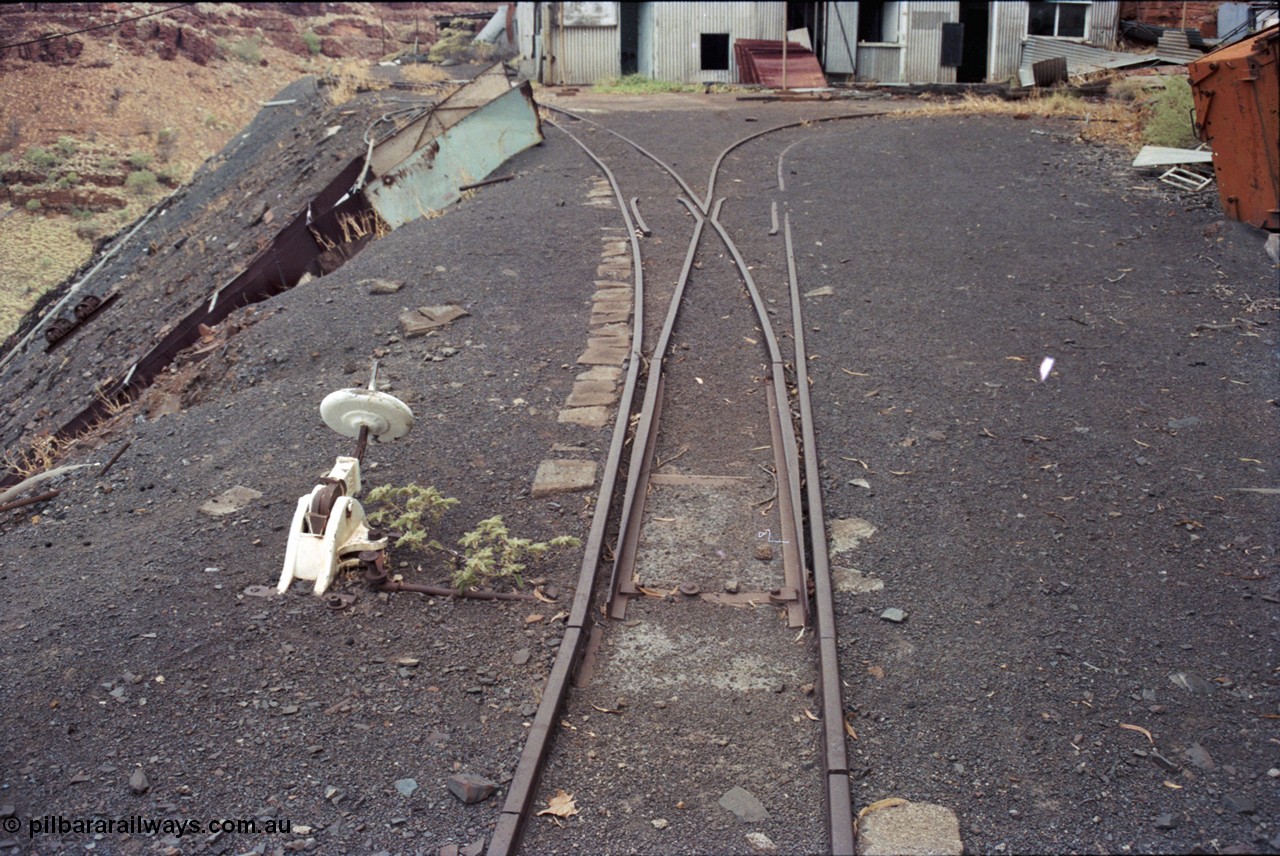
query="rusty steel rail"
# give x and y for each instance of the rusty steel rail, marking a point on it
(524, 784)
(807, 528)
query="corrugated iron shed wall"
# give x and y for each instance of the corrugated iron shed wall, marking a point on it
(922, 63)
(1103, 20)
(678, 28)
(1008, 26)
(841, 37)
(881, 63)
(584, 54)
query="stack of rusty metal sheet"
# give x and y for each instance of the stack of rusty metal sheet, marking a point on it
(761, 61)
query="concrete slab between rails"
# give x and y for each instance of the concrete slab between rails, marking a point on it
(891, 827)
(616, 335)
(613, 248)
(617, 268)
(611, 285)
(588, 417)
(587, 393)
(604, 352)
(568, 476)
(611, 304)
(599, 319)
(610, 373)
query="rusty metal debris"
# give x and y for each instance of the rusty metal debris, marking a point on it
(30, 500)
(81, 314)
(1237, 99)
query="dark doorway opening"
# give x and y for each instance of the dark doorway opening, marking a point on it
(975, 15)
(715, 51)
(629, 33)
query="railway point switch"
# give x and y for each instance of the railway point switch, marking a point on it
(329, 529)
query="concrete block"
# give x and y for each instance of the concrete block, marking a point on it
(588, 393)
(590, 417)
(909, 829)
(563, 477)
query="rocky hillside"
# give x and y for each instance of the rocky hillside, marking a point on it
(95, 126)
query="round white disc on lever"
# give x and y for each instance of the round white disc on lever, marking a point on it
(348, 410)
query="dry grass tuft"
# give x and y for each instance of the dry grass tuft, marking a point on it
(41, 454)
(1107, 121)
(422, 74)
(350, 77)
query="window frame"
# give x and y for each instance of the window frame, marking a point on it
(1057, 7)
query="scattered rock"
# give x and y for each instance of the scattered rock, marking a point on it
(1175, 424)
(761, 843)
(138, 782)
(1200, 757)
(1193, 683)
(1239, 803)
(1163, 763)
(471, 788)
(406, 787)
(660, 823)
(230, 501)
(731, 586)
(520, 657)
(764, 552)
(8, 810)
(381, 286)
(744, 805)
(897, 616)
(425, 318)
(1167, 821)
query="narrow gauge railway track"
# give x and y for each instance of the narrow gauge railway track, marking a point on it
(792, 518)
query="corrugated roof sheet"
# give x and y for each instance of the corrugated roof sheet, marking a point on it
(1174, 44)
(1082, 58)
(761, 61)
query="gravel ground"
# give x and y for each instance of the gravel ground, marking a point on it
(1060, 548)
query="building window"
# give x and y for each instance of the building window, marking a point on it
(1060, 18)
(878, 21)
(715, 51)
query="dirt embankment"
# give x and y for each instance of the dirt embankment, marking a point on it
(97, 124)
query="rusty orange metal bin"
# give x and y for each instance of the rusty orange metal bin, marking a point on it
(1237, 97)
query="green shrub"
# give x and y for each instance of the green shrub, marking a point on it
(638, 84)
(42, 158)
(70, 179)
(1169, 123)
(489, 553)
(140, 160)
(312, 41)
(143, 182)
(33, 205)
(247, 50)
(108, 164)
(68, 146)
(166, 143)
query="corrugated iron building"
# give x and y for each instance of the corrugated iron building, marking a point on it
(889, 41)
(569, 43)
